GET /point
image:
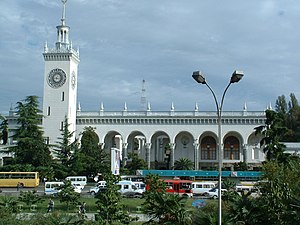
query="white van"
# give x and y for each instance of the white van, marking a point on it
(200, 187)
(81, 180)
(51, 187)
(140, 185)
(129, 189)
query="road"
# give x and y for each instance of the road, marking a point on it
(40, 190)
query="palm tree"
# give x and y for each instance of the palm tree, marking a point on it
(183, 164)
(162, 207)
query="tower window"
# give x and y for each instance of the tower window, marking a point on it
(62, 126)
(63, 96)
(48, 111)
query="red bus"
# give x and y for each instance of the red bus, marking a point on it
(177, 186)
(181, 187)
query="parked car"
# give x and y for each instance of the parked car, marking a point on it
(213, 193)
(126, 188)
(96, 189)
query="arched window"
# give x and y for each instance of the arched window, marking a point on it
(208, 148)
(232, 148)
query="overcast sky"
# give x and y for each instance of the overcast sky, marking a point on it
(122, 42)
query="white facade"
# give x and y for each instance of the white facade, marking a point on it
(191, 135)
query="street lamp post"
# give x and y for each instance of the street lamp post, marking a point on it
(236, 77)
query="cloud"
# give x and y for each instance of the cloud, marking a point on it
(123, 42)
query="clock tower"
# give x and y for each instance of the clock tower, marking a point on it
(60, 84)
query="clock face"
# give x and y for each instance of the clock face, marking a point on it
(56, 78)
(73, 80)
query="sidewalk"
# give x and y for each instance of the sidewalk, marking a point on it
(90, 216)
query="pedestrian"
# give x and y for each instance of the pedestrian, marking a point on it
(18, 186)
(50, 206)
(82, 208)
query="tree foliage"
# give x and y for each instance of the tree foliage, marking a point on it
(136, 163)
(4, 130)
(90, 159)
(164, 208)
(111, 211)
(64, 147)
(68, 195)
(273, 131)
(30, 197)
(290, 112)
(183, 164)
(30, 148)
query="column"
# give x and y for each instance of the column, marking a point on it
(172, 146)
(196, 154)
(148, 147)
(101, 145)
(245, 152)
(125, 154)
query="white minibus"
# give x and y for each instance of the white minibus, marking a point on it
(140, 185)
(200, 187)
(127, 187)
(51, 187)
(81, 180)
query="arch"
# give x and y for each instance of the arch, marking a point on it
(184, 146)
(136, 144)
(112, 139)
(254, 148)
(160, 156)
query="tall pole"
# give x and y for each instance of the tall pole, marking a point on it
(236, 77)
(220, 150)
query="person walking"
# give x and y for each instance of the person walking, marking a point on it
(18, 186)
(82, 208)
(50, 206)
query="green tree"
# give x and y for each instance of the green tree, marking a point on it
(273, 131)
(136, 163)
(240, 166)
(90, 158)
(290, 112)
(64, 147)
(183, 164)
(281, 105)
(64, 151)
(30, 197)
(207, 215)
(9, 203)
(164, 208)
(293, 120)
(68, 195)
(111, 211)
(279, 194)
(30, 148)
(4, 130)
(240, 208)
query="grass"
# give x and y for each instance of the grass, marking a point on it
(130, 204)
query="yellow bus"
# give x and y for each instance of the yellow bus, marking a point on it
(21, 179)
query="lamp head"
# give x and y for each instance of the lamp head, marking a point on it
(236, 76)
(199, 77)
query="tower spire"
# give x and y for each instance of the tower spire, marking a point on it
(63, 31)
(63, 12)
(143, 97)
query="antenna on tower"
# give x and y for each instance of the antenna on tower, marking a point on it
(143, 97)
